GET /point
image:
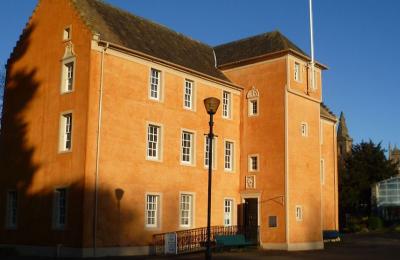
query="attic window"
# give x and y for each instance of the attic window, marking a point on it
(67, 34)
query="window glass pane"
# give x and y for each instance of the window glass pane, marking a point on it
(12, 209)
(272, 221)
(187, 145)
(228, 206)
(186, 210)
(67, 132)
(151, 210)
(226, 104)
(69, 76)
(188, 94)
(228, 155)
(155, 84)
(153, 133)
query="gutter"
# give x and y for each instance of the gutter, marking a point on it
(96, 186)
(268, 56)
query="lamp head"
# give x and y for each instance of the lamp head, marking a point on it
(211, 105)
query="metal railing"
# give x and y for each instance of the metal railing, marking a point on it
(192, 240)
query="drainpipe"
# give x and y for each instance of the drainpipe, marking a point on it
(96, 182)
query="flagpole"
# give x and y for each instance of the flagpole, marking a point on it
(312, 47)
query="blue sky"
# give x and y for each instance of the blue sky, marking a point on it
(359, 40)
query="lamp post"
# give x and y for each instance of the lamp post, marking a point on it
(211, 105)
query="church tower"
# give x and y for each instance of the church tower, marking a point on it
(345, 142)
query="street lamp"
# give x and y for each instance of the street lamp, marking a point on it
(211, 105)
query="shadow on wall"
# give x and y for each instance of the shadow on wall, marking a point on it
(35, 210)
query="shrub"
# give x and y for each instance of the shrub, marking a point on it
(375, 223)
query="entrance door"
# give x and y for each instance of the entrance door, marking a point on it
(251, 218)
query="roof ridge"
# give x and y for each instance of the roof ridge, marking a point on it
(248, 38)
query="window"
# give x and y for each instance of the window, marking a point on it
(67, 34)
(186, 208)
(206, 152)
(152, 210)
(188, 95)
(66, 132)
(304, 129)
(226, 104)
(68, 69)
(253, 163)
(187, 147)
(299, 213)
(296, 71)
(322, 171)
(228, 207)
(153, 142)
(155, 84)
(12, 206)
(252, 100)
(253, 107)
(229, 155)
(272, 221)
(60, 208)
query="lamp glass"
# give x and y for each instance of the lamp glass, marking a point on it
(211, 105)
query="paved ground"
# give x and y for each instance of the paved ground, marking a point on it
(354, 246)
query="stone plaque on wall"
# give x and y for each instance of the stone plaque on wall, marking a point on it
(251, 182)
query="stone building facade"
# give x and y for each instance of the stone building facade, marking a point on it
(103, 136)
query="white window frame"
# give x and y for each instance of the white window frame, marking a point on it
(157, 211)
(250, 162)
(159, 85)
(250, 107)
(214, 163)
(63, 132)
(64, 89)
(228, 216)
(299, 213)
(12, 210)
(159, 144)
(192, 148)
(322, 169)
(191, 97)
(57, 208)
(226, 104)
(190, 211)
(304, 129)
(297, 71)
(67, 33)
(232, 155)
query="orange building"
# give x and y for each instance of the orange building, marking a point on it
(103, 142)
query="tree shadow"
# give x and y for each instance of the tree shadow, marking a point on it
(19, 165)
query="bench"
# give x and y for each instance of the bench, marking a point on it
(331, 235)
(231, 241)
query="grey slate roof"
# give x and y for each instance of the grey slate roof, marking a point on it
(254, 46)
(327, 113)
(120, 27)
(125, 29)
